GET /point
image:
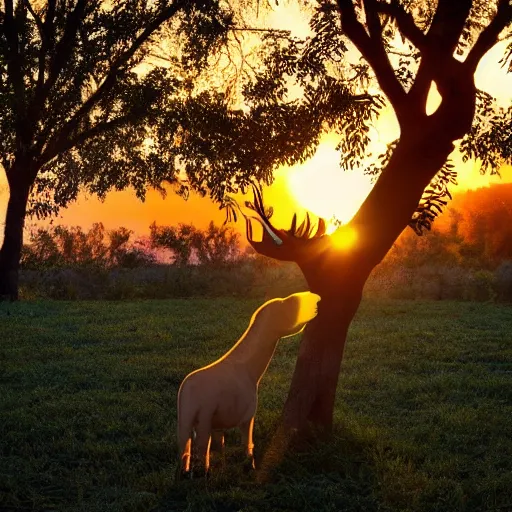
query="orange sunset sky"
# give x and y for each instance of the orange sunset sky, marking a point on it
(318, 185)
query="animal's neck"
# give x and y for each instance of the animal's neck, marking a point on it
(255, 350)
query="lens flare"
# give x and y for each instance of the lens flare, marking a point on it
(344, 237)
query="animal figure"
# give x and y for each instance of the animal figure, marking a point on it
(224, 394)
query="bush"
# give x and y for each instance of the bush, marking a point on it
(68, 263)
(503, 281)
(480, 286)
(437, 283)
(241, 279)
(247, 278)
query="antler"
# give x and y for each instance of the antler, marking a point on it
(286, 245)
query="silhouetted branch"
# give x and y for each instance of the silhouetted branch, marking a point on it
(438, 64)
(405, 22)
(84, 136)
(110, 80)
(275, 31)
(14, 68)
(47, 38)
(447, 26)
(434, 199)
(44, 43)
(60, 56)
(373, 22)
(489, 35)
(372, 49)
(37, 18)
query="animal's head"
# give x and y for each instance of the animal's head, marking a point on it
(290, 315)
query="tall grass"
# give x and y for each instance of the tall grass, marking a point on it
(247, 278)
(88, 419)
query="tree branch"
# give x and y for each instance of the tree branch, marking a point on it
(437, 62)
(15, 73)
(405, 22)
(47, 37)
(447, 26)
(36, 17)
(372, 50)
(111, 78)
(61, 55)
(489, 36)
(418, 93)
(275, 31)
(65, 144)
(373, 22)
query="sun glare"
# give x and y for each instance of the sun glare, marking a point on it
(321, 187)
(344, 237)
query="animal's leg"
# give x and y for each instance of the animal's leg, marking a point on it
(185, 450)
(201, 447)
(218, 445)
(186, 418)
(218, 441)
(246, 430)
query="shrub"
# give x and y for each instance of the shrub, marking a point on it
(503, 281)
(480, 286)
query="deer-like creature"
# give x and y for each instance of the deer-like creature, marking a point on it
(224, 394)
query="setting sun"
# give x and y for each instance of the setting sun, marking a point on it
(323, 188)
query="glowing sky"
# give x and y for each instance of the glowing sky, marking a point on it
(318, 185)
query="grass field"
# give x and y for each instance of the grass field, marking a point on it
(88, 420)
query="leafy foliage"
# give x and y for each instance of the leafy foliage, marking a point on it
(80, 90)
(213, 246)
(62, 246)
(434, 199)
(375, 168)
(490, 139)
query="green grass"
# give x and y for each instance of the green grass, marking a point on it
(88, 392)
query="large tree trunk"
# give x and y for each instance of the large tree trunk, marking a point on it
(313, 389)
(338, 276)
(10, 253)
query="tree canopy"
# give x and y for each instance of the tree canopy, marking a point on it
(80, 95)
(389, 53)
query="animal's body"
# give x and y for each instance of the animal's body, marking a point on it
(224, 394)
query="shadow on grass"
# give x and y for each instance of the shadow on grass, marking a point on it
(350, 472)
(292, 475)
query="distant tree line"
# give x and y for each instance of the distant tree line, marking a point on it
(467, 255)
(72, 247)
(476, 232)
(215, 245)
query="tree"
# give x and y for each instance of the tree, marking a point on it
(122, 253)
(177, 239)
(444, 41)
(62, 246)
(485, 225)
(216, 245)
(80, 100)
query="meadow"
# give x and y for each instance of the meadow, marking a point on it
(88, 389)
